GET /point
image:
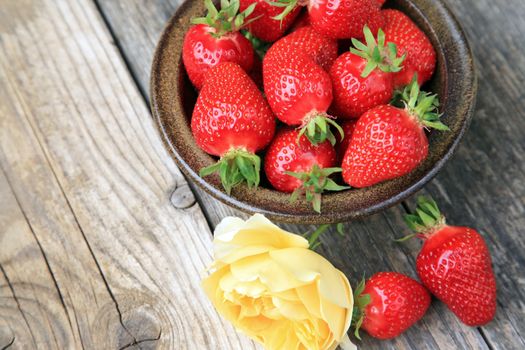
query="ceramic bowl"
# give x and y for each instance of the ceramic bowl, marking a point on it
(173, 99)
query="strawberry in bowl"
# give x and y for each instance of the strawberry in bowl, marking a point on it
(216, 38)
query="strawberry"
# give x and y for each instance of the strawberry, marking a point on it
(268, 26)
(412, 42)
(232, 120)
(454, 264)
(294, 165)
(362, 78)
(389, 142)
(343, 19)
(336, 19)
(388, 304)
(215, 39)
(341, 146)
(306, 40)
(298, 89)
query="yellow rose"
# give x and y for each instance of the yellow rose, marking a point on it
(274, 289)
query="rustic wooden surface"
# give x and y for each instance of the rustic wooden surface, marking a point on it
(101, 241)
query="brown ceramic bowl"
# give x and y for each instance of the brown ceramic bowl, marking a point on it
(173, 98)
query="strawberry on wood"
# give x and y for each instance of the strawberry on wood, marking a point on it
(215, 39)
(294, 165)
(389, 142)
(268, 26)
(454, 264)
(233, 121)
(388, 304)
(362, 78)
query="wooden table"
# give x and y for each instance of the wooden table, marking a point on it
(102, 242)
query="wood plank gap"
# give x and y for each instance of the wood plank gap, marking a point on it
(485, 338)
(121, 51)
(127, 69)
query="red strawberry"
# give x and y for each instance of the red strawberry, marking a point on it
(342, 144)
(293, 164)
(410, 40)
(336, 19)
(216, 39)
(298, 89)
(233, 121)
(389, 142)
(388, 304)
(341, 19)
(306, 40)
(380, 2)
(362, 78)
(268, 26)
(455, 265)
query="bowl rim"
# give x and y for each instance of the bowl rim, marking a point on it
(304, 214)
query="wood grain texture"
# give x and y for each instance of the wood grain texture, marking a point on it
(101, 258)
(30, 313)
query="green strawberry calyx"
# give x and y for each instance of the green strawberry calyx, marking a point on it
(236, 167)
(317, 128)
(315, 183)
(377, 54)
(314, 237)
(422, 105)
(287, 5)
(361, 301)
(426, 220)
(227, 19)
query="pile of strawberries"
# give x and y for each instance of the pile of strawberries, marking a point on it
(271, 77)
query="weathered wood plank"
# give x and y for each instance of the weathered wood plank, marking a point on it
(80, 152)
(353, 254)
(32, 312)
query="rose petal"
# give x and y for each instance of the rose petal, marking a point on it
(306, 265)
(227, 228)
(290, 310)
(335, 316)
(267, 271)
(227, 254)
(256, 231)
(309, 296)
